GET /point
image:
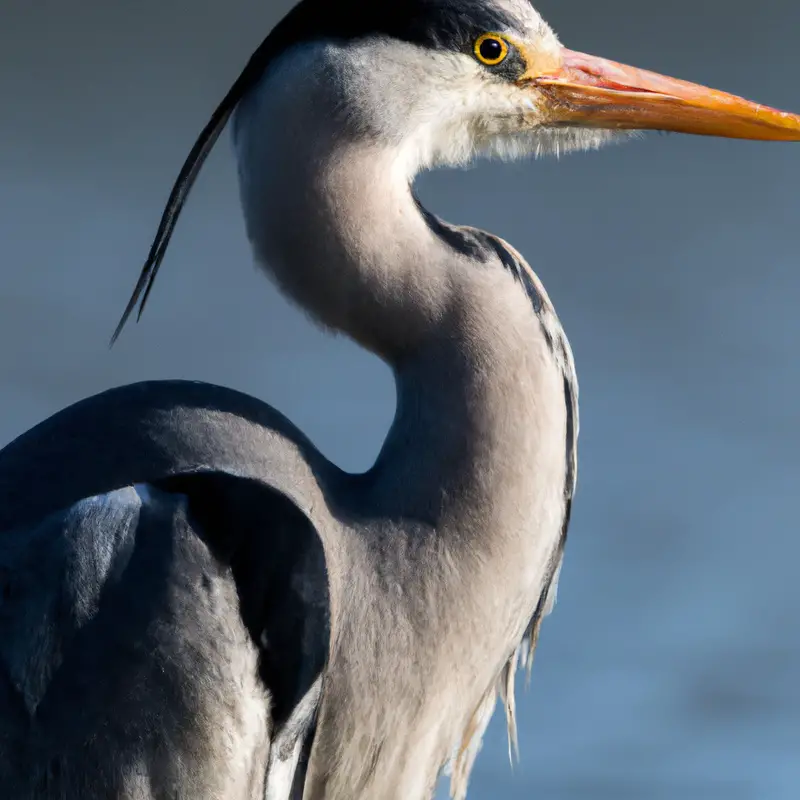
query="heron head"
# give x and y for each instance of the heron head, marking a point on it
(448, 80)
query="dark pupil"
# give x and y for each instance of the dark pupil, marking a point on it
(491, 49)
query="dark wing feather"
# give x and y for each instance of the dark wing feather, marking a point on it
(159, 628)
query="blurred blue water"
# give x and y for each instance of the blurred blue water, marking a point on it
(669, 669)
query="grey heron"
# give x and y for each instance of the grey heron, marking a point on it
(193, 601)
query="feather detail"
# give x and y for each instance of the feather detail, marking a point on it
(460, 766)
(506, 689)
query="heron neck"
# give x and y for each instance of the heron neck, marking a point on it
(337, 227)
(480, 409)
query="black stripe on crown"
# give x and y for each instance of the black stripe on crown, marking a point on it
(440, 24)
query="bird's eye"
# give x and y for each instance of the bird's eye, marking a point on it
(491, 49)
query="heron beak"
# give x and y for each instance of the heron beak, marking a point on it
(594, 92)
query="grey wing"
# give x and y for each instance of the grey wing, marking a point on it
(163, 639)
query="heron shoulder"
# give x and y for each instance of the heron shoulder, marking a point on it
(145, 432)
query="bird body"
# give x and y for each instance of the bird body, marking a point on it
(413, 550)
(195, 602)
(412, 568)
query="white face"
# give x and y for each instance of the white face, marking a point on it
(442, 108)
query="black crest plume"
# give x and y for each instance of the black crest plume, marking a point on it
(184, 182)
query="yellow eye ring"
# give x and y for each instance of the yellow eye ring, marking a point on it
(491, 49)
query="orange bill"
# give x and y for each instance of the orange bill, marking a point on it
(594, 92)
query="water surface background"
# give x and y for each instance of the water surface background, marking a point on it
(670, 669)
